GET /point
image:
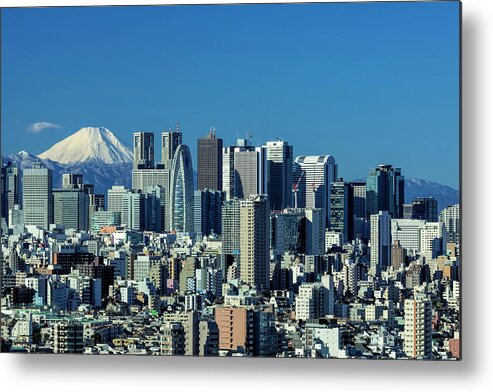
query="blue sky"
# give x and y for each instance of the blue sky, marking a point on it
(368, 83)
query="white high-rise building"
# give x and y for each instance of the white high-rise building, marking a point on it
(314, 174)
(115, 198)
(37, 196)
(417, 327)
(134, 210)
(433, 239)
(450, 216)
(380, 242)
(407, 232)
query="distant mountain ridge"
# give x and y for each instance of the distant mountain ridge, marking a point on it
(445, 195)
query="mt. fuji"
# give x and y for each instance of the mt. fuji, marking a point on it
(89, 144)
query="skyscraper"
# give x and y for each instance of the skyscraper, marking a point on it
(143, 150)
(38, 196)
(254, 241)
(143, 179)
(425, 208)
(380, 242)
(10, 189)
(361, 224)
(249, 169)
(433, 239)
(134, 210)
(385, 191)
(314, 174)
(279, 157)
(450, 216)
(181, 191)
(244, 170)
(115, 198)
(71, 208)
(341, 209)
(207, 213)
(230, 227)
(170, 140)
(155, 208)
(209, 162)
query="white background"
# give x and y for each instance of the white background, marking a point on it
(83, 373)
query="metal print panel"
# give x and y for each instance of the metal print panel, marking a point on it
(269, 180)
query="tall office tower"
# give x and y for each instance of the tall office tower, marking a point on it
(341, 209)
(155, 207)
(230, 227)
(254, 241)
(360, 219)
(314, 174)
(10, 189)
(170, 140)
(425, 208)
(181, 191)
(250, 175)
(407, 232)
(235, 333)
(279, 157)
(134, 210)
(433, 240)
(72, 181)
(315, 231)
(418, 327)
(229, 166)
(380, 242)
(244, 170)
(37, 196)
(115, 198)
(385, 191)
(450, 216)
(142, 179)
(71, 208)
(207, 211)
(288, 232)
(398, 255)
(210, 162)
(143, 150)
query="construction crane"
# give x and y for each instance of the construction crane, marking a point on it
(296, 188)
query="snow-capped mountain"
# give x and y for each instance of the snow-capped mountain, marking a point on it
(89, 144)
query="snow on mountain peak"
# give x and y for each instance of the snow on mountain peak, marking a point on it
(89, 144)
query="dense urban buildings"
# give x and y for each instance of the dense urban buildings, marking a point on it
(267, 255)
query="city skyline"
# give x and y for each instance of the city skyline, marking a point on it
(314, 242)
(355, 86)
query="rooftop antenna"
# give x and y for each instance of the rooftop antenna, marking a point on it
(177, 127)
